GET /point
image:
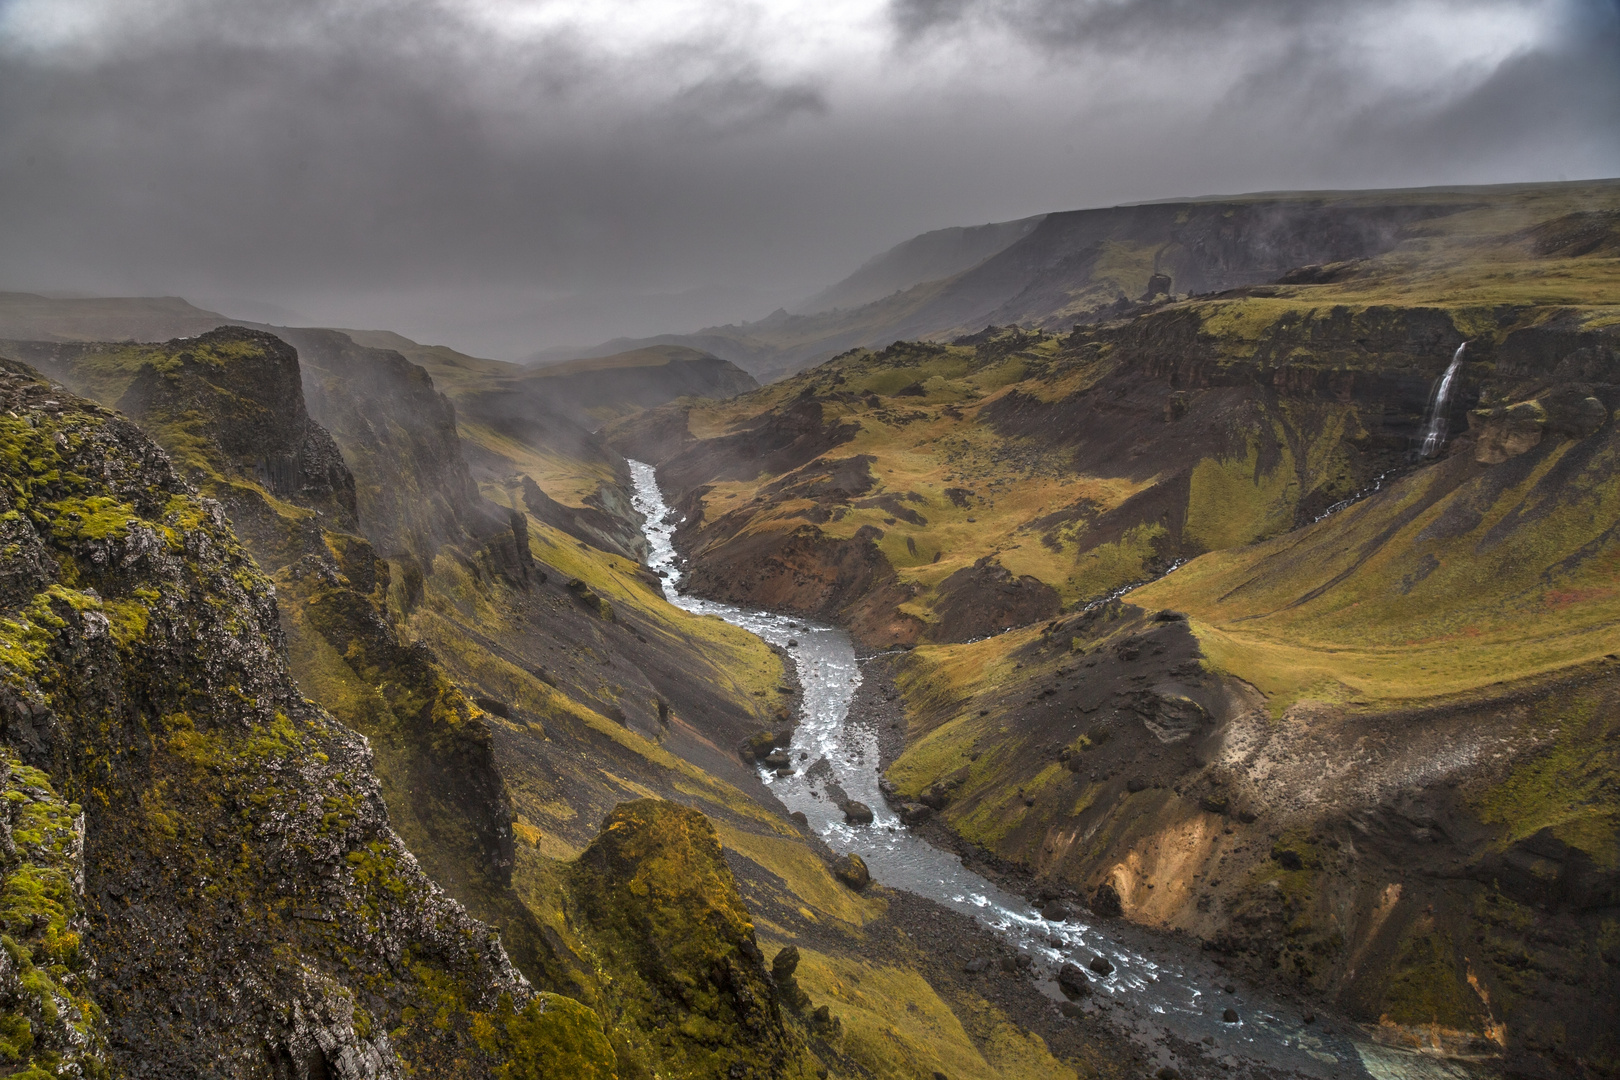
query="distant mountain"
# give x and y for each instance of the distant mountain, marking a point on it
(1087, 266)
(27, 317)
(928, 257)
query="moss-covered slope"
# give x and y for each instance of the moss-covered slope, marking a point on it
(244, 902)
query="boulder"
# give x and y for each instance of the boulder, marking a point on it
(1101, 966)
(851, 870)
(1229, 1015)
(1288, 859)
(856, 813)
(915, 813)
(1055, 911)
(1507, 433)
(1573, 412)
(976, 965)
(761, 743)
(1105, 902)
(1072, 981)
(785, 963)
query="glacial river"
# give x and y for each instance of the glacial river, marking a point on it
(1148, 995)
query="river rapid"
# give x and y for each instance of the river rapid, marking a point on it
(1158, 986)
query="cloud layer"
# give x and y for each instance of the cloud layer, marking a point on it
(509, 174)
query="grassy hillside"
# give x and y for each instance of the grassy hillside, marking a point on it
(1360, 737)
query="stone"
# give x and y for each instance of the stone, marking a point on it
(915, 813)
(1168, 1072)
(758, 745)
(1072, 981)
(785, 963)
(976, 965)
(1070, 1009)
(1229, 1015)
(1056, 911)
(851, 870)
(1101, 966)
(798, 818)
(857, 813)
(1106, 903)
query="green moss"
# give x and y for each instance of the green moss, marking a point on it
(655, 906)
(1572, 787)
(54, 1023)
(1233, 501)
(95, 518)
(552, 1036)
(1425, 985)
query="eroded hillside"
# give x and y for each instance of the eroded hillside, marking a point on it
(1362, 737)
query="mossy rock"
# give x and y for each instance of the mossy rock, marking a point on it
(654, 899)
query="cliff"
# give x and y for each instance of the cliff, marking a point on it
(223, 889)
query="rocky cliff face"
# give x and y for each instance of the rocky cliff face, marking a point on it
(398, 433)
(224, 893)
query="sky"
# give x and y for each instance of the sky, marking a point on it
(505, 176)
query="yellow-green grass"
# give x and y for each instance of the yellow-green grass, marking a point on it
(1426, 611)
(936, 451)
(1572, 787)
(820, 896)
(897, 1027)
(745, 668)
(569, 480)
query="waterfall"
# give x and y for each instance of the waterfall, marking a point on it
(1434, 432)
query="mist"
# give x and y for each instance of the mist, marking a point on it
(505, 176)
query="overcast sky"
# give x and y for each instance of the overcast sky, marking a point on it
(503, 175)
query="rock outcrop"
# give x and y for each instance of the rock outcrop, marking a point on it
(245, 905)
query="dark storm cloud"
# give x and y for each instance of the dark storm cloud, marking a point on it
(517, 173)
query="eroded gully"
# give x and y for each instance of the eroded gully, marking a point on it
(1157, 986)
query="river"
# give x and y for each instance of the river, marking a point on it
(1156, 986)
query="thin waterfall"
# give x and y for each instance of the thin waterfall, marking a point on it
(1434, 432)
